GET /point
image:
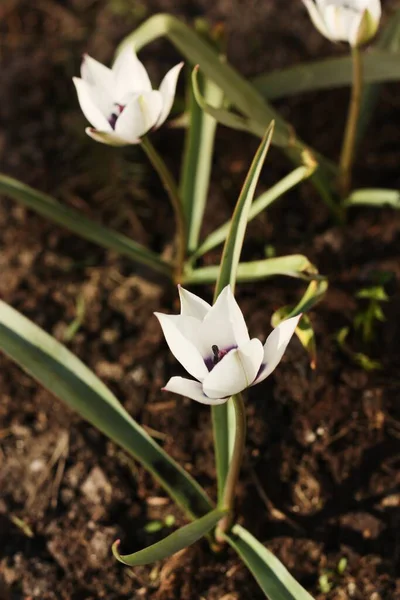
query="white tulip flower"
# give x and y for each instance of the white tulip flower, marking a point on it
(120, 103)
(352, 21)
(213, 344)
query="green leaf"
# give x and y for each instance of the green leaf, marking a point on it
(261, 203)
(389, 41)
(374, 197)
(221, 115)
(227, 274)
(378, 66)
(292, 265)
(271, 575)
(176, 541)
(198, 154)
(304, 331)
(73, 220)
(63, 374)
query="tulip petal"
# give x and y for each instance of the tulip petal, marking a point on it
(375, 10)
(130, 76)
(100, 80)
(275, 346)
(192, 305)
(224, 325)
(316, 17)
(89, 108)
(191, 389)
(183, 349)
(167, 90)
(138, 116)
(109, 138)
(235, 372)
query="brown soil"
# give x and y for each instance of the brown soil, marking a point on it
(321, 476)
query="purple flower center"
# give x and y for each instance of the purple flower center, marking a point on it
(118, 108)
(217, 356)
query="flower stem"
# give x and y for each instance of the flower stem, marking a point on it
(172, 190)
(349, 139)
(232, 478)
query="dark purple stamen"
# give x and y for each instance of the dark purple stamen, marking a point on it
(114, 115)
(217, 356)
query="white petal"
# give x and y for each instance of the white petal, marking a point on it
(89, 108)
(167, 90)
(224, 325)
(316, 17)
(191, 389)
(235, 372)
(192, 305)
(100, 80)
(139, 115)
(105, 137)
(182, 348)
(130, 76)
(275, 346)
(375, 9)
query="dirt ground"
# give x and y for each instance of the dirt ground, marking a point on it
(320, 482)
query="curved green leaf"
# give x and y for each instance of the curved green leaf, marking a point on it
(73, 220)
(261, 203)
(378, 66)
(292, 265)
(374, 197)
(222, 115)
(271, 575)
(62, 373)
(176, 541)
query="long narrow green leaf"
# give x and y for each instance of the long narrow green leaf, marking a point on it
(293, 265)
(378, 66)
(73, 220)
(176, 541)
(197, 161)
(271, 575)
(62, 373)
(227, 274)
(234, 241)
(374, 197)
(261, 203)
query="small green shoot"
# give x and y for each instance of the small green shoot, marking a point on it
(157, 524)
(367, 318)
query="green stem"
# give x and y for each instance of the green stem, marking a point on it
(173, 193)
(349, 139)
(232, 478)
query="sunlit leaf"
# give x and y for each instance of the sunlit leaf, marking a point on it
(176, 541)
(374, 197)
(71, 219)
(63, 374)
(271, 575)
(259, 204)
(293, 265)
